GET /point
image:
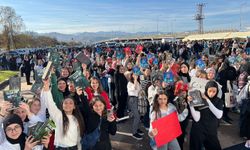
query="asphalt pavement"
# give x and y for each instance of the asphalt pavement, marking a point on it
(123, 140)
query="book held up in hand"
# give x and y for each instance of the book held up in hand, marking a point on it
(179, 103)
(83, 58)
(15, 83)
(76, 66)
(54, 58)
(36, 88)
(13, 96)
(197, 101)
(41, 129)
(39, 75)
(79, 80)
(47, 70)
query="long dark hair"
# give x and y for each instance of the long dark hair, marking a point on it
(100, 99)
(131, 78)
(156, 106)
(76, 113)
(100, 88)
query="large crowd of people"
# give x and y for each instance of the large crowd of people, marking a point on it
(146, 82)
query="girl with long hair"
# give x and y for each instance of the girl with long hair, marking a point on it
(134, 88)
(162, 108)
(96, 89)
(68, 120)
(96, 114)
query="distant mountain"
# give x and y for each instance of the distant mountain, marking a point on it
(91, 37)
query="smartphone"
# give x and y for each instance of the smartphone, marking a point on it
(110, 113)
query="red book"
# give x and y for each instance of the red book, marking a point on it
(139, 49)
(168, 129)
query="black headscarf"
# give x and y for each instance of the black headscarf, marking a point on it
(181, 74)
(209, 85)
(15, 119)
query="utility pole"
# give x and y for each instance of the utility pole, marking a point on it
(200, 17)
(241, 6)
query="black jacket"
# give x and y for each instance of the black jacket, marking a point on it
(92, 120)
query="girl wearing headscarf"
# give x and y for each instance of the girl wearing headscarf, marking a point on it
(184, 73)
(205, 121)
(12, 136)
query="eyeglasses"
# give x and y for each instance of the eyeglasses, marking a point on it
(10, 130)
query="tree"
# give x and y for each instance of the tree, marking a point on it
(12, 24)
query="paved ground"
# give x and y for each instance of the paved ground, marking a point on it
(228, 135)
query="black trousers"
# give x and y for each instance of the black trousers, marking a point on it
(181, 138)
(245, 119)
(122, 105)
(66, 148)
(199, 139)
(27, 75)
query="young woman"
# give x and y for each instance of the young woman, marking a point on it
(28, 118)
(184, 73)
(65, 73)
(226, 72)
(12, 136)
(96, 89)
(95, 114)
(121, 90)
(59, 88)
(206, 121)
(180, 102)
(38, 108)
(162, 108)
(68, 120)
(134, 88)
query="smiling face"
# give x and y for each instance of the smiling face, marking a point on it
(35, 106)
(62, 85)
(98, 107)
(210, 75)
(68, 105)
(64, 73)
(21, 113)
(121, 69)
(13, 131)
(94, 84)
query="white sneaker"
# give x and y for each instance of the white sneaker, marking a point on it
(247, 145)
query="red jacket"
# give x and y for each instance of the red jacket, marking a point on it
(103, 94)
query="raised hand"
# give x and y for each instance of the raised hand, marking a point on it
(45, 141)
(30, 143)
(4, 106)
(111, 118)
(79, 91)
(46, 84)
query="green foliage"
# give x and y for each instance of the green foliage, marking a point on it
(6, 75)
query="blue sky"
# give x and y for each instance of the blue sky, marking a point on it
(71, 16)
